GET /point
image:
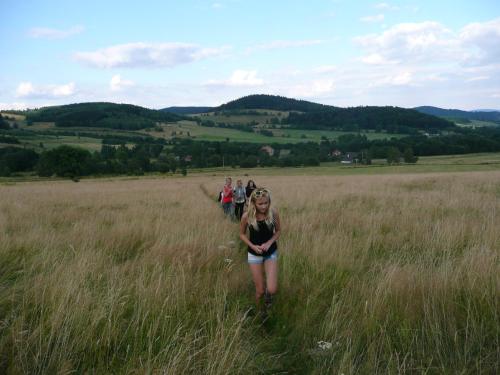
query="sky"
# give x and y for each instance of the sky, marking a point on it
(156, 54)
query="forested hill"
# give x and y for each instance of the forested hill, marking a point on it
(309, 115)
(493, 116)
(271, 102)
(102, 115)
(392, 119)
(187, 110)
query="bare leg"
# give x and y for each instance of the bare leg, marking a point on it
(258, 280)
(271, 267)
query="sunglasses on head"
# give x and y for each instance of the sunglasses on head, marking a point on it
(257, 193)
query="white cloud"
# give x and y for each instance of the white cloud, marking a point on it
(49, 33)
(374, 18)
(280, 44)
(217, 5)
(385, 6)
(412, 42)
(63, 90)
(430, 42)
(146, 55)
(239, 78)
(118, 84)
(325, 69)
(479, 78)
(13, 106)
(25, 89)
(402, 78)
(312, 89)
(28, 90)
(484, 39)
(376, 59)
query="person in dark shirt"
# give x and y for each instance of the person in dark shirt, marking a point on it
(248, 190)
(262, 223)
(250, 187)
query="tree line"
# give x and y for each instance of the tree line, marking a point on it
(181, 154)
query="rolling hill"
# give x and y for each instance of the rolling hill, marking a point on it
(309, 115)
(101, 115)
(493, 116)
(272, 102)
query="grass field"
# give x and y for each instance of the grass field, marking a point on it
(477, 123)
(228, 118)
(50, 142)
(181, 129)
(398, 273)
(204, 133)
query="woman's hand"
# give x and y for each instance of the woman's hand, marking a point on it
(265, 246)
(257, 248)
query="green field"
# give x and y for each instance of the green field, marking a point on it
(203, 133)
(228, 118)
(476, 123)
(483, 162)
(50, 142)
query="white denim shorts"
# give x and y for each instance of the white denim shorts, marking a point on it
(259, 259)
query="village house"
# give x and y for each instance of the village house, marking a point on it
(350, 158)
(268, 150)
(335, 153)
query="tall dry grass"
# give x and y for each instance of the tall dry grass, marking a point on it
(400, 274)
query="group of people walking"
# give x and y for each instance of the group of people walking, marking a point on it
(260, 228)
(234, 199)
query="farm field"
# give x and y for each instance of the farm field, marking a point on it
(232, 118)
(476, 123)
(396, 273)
(284, 135)
(182, 129)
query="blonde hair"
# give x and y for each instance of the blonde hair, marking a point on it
(252, 210)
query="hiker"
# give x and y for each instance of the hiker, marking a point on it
(263, 224)
(227, 197)
(248, 190)
(239, 199)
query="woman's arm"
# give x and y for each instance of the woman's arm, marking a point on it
(244, 237)
(277, 232)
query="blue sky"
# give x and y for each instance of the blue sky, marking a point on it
(163, 53)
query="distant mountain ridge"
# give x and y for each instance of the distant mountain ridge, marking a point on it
(309, 115)
(302, 114)
(493, 116)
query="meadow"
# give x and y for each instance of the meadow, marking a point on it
(182, 129)
(283, 135)
(386, 273)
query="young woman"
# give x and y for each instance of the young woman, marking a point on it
(227, 197)
(239, 199)
(250, 187)
(263, 224)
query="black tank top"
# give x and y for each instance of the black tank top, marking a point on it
(258, 237)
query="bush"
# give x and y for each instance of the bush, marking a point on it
(65, 161)
(250, 161)
(14, 159)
